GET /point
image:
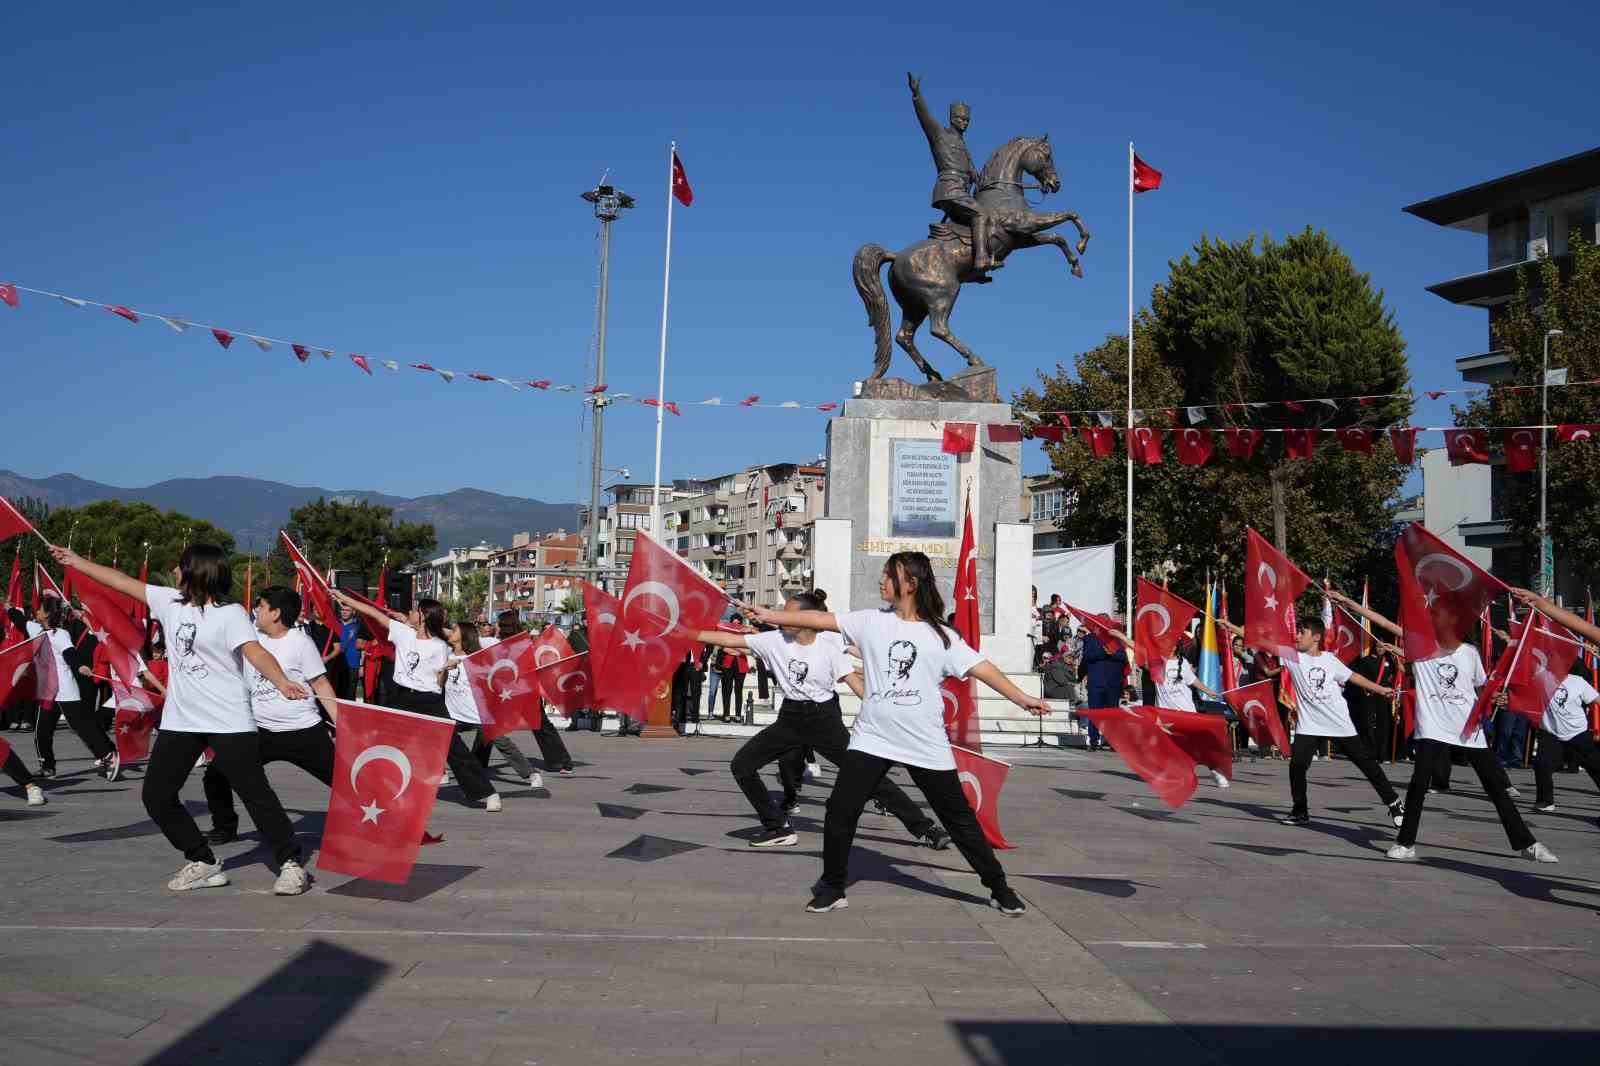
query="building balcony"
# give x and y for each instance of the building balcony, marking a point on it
(1494, 533)
(1488, 288)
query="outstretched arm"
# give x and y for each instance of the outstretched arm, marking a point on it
(1574, 622)
(1366, 612)
(990, 675)
(362, 608)
(112, 579)
(325, 695)
(1372, 686)
(930, 125)
(822, 621)
(268, 667)
(721, 638)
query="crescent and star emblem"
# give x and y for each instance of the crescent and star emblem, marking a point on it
(967, 777)
(1580, 434)
(952, 703)
(380, 753)
(1166, 618)
(539, 655)
(494, 672)
(662, 592)
(1522, 436)
(1261, 708)
(1346, 636)
(561, 682)
(1439, 559)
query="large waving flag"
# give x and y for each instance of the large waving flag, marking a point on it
(664, 604)
(1272, 584)
(961, 719)
(315, 588)
(1441, 592)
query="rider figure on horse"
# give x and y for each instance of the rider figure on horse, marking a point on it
(952, 190)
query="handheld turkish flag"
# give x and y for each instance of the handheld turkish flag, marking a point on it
(664, 604)
(1102, 440)
(1522, 454)
(1404, 441)
(1542, 661)
(1441, 592)
(20, 666)
(1104, 629)
(1203, 737)
(1194, 446)
(680, 181)
(110, 616)
(1257, 708)
(960, 699)
(1159, 622)
(1272, 584)
(12, 523)
(959, 438)
(1144, 445)
(1343, 636)
(315, 588)
(386, 770)
(1136, 736)
(505, 686)
(1242, 443)
(563, 675)
(1146, 178)
(1465, 446)
(45, 585)
(600, 612)
(136, 718)
(982, 778)
(14, 586)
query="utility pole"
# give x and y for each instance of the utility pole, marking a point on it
(609, 203)
(1547, 564)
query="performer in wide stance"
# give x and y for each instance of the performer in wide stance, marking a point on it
(906, 651)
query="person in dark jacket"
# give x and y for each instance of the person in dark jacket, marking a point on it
(1103, 673)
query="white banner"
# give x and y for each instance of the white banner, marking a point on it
(1084, 577)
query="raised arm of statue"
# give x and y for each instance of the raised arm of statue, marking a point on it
(930, 125)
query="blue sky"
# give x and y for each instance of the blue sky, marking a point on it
(405, 184)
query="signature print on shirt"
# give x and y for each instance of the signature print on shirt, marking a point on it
(798, 671)
(184, 641)
(902, 657)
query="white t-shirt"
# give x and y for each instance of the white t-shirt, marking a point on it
(902, 716)
(1319, 694)
(297, 656)
(66, 681)
(417, 661)
(802, 671)
(1172, 685)
(1446, 690)
(1568, 713)
(458, 698)
(206, 687)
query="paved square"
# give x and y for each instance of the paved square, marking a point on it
(619, 916)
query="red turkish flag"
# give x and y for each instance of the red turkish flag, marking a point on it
(1104, 629)
(136, 717)
(600, 613)
(1568, 433)
(1522, 451)
(1004, 433)
(960, 699)
(8, 294)
(1145, 177)
(1465, 446)
(387, 766)
(982, 778)
(123, 312)
(1299, 443)
(1054, 434)
(361, 361)
(12, 522)
(315, 588)
(1144, 445)
(505, 686)
(1202, 737)
(1544, 656)
(1194, 446)
(1158, 623)
(1102, 440)
(1343, 638)
(1356, 439)
(1272, 584)
(14, 587)
(44, 584)
(224, 338)
(1404, 441)
(680, 182)
(1257, 707)
(1242, 443)
(21, 666)
(664, 604)
(959, 437)
(300, 352)
(1441, 592)
(1483, 706)
(563, 675)
(1136, 735)
(110, 616)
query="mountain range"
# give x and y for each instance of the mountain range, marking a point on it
(254, 510)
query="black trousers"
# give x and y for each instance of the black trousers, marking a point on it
(552, 749)
(860, 776)
(239, 755)
(80, 716)
(481, 750)
(1550, 755)
(16, 770)
(1353, 748)
(819, 726)
(1428, 755)
(792, 771)
(311, 749)
(732, 693)
(470, 774)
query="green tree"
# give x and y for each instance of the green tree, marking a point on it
(117, 533)
(472, 592)
(25, 549)
(1234, 325)
(1549, 296)
(353, 536)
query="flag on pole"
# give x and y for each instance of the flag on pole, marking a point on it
(1272, 584)
(12, 522)
(314, 587)
(680, 181)
(982, 777)
(1230, 665)
(504, 678)
(1210, 649)
(1366, 623)
(1146, 178)
(960, 696)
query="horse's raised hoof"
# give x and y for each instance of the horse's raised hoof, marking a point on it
(1077, 270)
(1083, 242)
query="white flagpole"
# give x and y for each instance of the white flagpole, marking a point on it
(661, 374)
(1127, 581)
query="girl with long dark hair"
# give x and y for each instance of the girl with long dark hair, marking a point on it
(906, 651)
(51, 619)
(207, 705)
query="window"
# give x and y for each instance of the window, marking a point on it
(1049, 505)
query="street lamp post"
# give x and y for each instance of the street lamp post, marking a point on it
(1547, 562)
(609, 203)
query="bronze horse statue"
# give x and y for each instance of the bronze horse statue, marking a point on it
(927, 276)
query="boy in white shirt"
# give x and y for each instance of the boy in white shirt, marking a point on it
(1174, 684)
(1565, 727)
(287, 730)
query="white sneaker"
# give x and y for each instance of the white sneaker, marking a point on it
(112, 768)
(198, 875)
(1539, 853)
(1514, 792)
(1545, 808)
(536, 781)
(493, 802)
(1222, 782)
(1400, 851)
(292, 880)
(36, 796)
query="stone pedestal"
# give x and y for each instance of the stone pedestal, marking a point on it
(889, 481)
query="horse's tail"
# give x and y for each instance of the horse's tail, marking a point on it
(869, 261)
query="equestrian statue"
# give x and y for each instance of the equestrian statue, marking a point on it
(986, 218)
